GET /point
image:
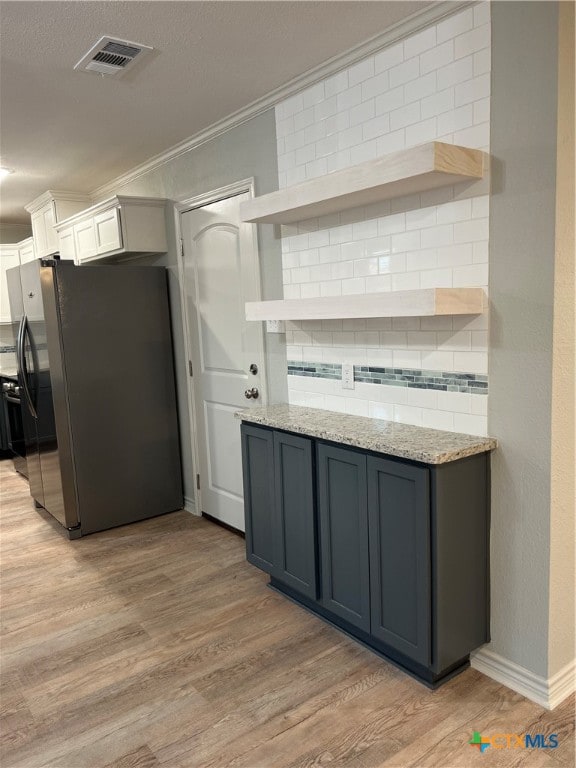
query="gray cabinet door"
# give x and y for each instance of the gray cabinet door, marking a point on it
(399, 515)
(295, 525)
(344, 534)
(258, 470)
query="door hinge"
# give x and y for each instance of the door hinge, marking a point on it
(198, 482)
(190, 368)
(181, 248)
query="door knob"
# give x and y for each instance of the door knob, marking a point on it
(251, 393)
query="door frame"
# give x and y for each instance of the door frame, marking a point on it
(181, 207)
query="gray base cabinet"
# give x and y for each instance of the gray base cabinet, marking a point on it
(391, 551)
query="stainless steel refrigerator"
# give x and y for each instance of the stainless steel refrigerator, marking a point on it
(96, 370)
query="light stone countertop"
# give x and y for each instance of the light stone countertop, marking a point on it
(430, 446)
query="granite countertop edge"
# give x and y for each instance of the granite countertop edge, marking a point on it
(410, 445)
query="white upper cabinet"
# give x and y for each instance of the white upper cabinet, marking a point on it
(119, 226)
(46, 211)
(9, 257)
(27, 250)
(12, 256)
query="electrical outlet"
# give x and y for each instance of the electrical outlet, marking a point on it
(347, 376)
(275, 326)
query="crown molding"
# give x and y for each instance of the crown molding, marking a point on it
(408, 26)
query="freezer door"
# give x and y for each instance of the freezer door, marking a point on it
(24, 380)
(40, 321)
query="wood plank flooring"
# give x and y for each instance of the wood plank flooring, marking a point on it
(156, 644)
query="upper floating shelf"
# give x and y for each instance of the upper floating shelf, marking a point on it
(402, 173)
(418, 303)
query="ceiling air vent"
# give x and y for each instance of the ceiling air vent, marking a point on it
(111, 56)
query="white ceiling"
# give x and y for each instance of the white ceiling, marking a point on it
(62, 129)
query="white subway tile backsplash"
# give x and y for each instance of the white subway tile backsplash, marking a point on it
(418, 89)
(437, 57)
(408, 281)
(482, 13)
(389, 100)
(405, 323)
(470, 424)
(454, 73)
(392, 142)
(313, 95)
(471, 362)
(350, 137)
(468, 277)
(349, 98)
(421, 41)
(434, 85)
(389, 57)
(471, 42)
(435, 419)
(471, 231)
(481, 111)
(362, 71)
(376, 127)
(477, 137)
(331, 288)
(326, 108)
(378, 283)
(459, 210)
(407, 115)
(361, 113)
(482, 60)
(437, 103)
(403, 73)
(336, 84)
(406, 358)
(309, 291)
(472, 90)
(456, 119)
(374, 86)
(433, 237)
(455, 25)
(436, 278)
(406, 241)
(421, 132)
(454, 255)
(364, 267)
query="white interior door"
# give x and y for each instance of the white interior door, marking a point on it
(221, 273)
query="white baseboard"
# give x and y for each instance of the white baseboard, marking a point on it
(190, 506)
(548, 692)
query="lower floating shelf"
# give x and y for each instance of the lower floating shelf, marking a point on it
(419, 303)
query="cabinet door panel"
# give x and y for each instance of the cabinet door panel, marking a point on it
(108, 231)
(67, 246)
(85, 240)
(399, 514)
(258, 470)
(344, 534)
(295, 528)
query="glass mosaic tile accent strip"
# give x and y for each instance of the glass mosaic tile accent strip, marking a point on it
(446, 381)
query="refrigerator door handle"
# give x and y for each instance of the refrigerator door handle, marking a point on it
(22, 364)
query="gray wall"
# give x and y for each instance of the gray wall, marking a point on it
(248, 150)
(522, 246)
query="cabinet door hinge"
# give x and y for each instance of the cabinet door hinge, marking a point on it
(190, 368)
(198, 482)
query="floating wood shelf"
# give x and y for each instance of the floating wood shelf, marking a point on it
(418, 303)
(402, 173)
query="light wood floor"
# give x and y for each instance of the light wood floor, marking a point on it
(156, 644)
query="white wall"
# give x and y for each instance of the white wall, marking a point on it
(433, 85)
